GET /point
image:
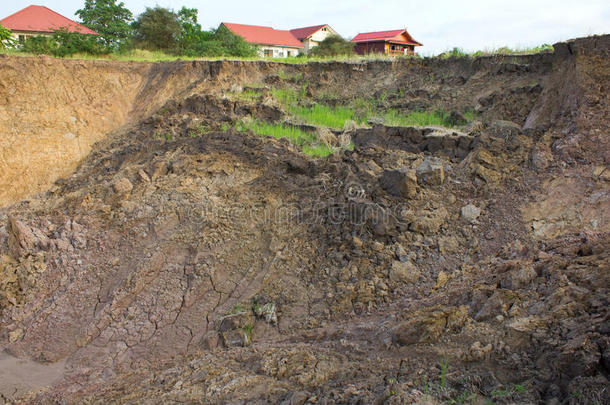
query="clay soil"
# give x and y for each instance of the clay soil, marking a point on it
(153, 252)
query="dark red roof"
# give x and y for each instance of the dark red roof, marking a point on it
(264, 35)
(386, 36)
(306, 32)
(42, 19)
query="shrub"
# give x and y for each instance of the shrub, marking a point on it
(333, 45)
(64, 43)
(6, 39)
(157, 29)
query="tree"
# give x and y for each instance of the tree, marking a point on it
(191, 30)
(157, 29)
(6, 38)
(109, 19)
(333, 45)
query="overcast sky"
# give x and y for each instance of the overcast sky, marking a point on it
(439, 25)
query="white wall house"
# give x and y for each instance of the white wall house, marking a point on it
(271, 43)
(311, 37)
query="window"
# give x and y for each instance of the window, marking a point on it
(21, 38)
(324, 29)
(268, 53)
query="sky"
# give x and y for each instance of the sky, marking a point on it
(440, 25)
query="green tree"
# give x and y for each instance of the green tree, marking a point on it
(109, 18)
(6, 39)
(333, 45)
(191, 29)
(157, 28)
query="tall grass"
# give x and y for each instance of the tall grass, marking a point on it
(416, 118)
(307, 141)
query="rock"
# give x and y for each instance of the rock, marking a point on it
(540, 159)
(23, 239)
(470, 212)
(296, 398)
(404, 272)
(399, 183)
(441, 280)
(428, 222)
(448, 245)
(430, 172)
(519, 277)
(504, 129)
(235, 338)
(429, 324)
(143, 176)
(122, 186)
(401, 254)
(478, 352)
(357, 242)
(15, 335)
(497, 304)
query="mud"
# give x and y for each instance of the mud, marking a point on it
(426, 265)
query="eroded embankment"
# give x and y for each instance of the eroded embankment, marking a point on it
(53, 110)
(184, 260)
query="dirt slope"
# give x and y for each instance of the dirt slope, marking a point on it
(426, 265)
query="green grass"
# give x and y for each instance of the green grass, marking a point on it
(322, 114)
(415, 118)
(307, 141)
(360, 111)
(250, 95)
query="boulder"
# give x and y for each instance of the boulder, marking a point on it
(428, 325)
(430, 172)
(404, 272)
(470, 212)
(122, 186)
(504, 129)
(399, 183)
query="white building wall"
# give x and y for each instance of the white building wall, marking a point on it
(318, 37)
(278, 51)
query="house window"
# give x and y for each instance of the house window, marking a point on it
(21, 38)
(324, 29)
(268, 53)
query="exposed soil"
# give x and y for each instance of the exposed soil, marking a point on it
(426, 265)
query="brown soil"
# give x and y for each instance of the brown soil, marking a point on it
(426, 265)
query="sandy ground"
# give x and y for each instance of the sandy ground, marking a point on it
(18, 376)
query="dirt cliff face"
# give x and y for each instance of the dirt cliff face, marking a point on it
(425, 265)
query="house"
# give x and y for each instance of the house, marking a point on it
(396, 42)
(40, 20)
(271, 42)
(312, 36)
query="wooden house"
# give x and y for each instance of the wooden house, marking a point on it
(396, 42)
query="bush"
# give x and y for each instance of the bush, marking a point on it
(39, 45)
(6, 39)
(219, 42)
(70, 43)
(64, 43)
(334, 46)
(157, 29)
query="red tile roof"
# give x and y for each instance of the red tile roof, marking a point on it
(42, 19)
(386, 36)
(306, 32)
(264, 35)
